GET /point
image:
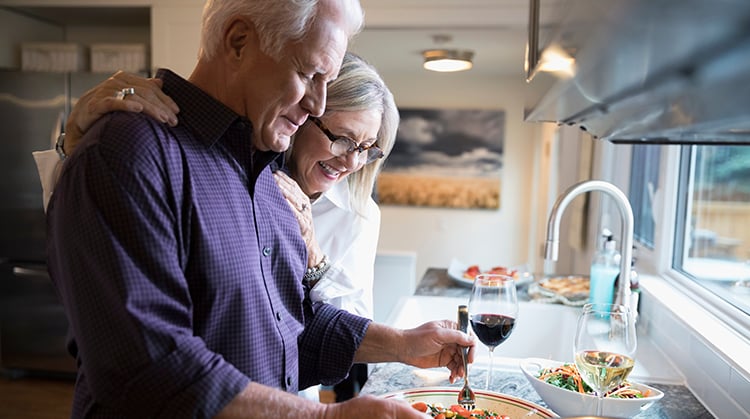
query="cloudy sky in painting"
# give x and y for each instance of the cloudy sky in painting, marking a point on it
(449, 142)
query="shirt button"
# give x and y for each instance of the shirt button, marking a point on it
(288, 381)
(278, 316)
(266, 251)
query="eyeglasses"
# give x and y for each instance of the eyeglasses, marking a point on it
(341, 146)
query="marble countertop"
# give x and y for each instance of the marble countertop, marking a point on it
(678, 401)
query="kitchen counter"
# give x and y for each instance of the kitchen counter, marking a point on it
(678, 401)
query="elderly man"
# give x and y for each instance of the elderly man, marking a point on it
(178, 260)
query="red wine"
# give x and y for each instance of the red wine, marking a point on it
(492, 329)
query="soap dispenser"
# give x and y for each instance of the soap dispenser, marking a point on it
(604, 269)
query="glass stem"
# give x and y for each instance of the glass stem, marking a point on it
(489, 372)
(599, 397)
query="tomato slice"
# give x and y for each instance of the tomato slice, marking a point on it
(460, 410)
(421, 406)
(471, 272)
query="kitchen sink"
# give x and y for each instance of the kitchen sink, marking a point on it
(541, 331)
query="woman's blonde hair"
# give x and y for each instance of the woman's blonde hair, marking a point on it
(359, 87)
(277, 22)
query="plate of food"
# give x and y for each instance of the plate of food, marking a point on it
(560, 385)
(436, 400)
(464, 274)
(570, 290)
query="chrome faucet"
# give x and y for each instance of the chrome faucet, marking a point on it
(551, 247)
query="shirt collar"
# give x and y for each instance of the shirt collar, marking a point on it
(339, 195)
(208, 118)
(207, 129)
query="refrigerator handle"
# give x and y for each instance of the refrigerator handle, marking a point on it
(31, 271)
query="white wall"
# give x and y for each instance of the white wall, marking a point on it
(485, 237)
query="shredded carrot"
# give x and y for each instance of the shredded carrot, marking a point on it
(579, 383)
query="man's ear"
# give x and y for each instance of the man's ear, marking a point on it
(239, 35)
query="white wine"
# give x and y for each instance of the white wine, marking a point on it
(603, 370)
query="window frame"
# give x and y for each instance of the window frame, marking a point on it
(661, 261)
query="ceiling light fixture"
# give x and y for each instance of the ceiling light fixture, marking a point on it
(447, 60)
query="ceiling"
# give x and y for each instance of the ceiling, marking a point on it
(396, 31)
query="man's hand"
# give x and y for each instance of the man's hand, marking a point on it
(437, 344)
(372, 407)
(433, 344)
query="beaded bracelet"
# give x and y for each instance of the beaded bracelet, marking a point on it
(313, 274)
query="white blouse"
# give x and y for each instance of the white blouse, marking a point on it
(350, 240)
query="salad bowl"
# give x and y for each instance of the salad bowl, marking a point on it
(568, 403)
(503, 404)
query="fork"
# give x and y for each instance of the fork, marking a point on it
(466, 395)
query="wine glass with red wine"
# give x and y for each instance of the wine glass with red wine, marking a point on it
(493, 308)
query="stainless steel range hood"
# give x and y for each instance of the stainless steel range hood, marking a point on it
(653, 71)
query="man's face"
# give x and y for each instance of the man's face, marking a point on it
(280, 94)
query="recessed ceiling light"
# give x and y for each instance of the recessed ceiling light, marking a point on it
(447, 60)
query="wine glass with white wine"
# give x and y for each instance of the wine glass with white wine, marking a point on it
(604, 347)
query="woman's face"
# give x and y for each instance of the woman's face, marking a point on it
(313, 165)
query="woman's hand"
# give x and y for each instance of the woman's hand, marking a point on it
(147, 98)
(302, 209)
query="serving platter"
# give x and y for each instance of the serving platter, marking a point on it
(571, 297)
(457, 268)
(502, 404)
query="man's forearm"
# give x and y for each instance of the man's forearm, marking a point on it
(259, 401)
(380, 344)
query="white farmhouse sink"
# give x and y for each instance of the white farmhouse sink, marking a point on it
(541, 331)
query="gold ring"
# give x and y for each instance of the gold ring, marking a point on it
(122, 93)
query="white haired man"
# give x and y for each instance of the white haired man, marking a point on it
(177, 258)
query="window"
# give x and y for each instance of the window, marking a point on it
(712, 240)
(644, 180)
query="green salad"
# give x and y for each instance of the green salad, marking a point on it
(566, 376)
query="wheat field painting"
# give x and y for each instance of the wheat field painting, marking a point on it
(445, 158)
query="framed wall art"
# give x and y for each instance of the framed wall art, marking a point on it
(445, 158)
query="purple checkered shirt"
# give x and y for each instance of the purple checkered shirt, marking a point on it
(179, 264)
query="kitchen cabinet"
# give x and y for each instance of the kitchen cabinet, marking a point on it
(81, 25)
(646, 71)
(170, 27)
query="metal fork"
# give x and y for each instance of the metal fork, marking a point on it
(466, 395)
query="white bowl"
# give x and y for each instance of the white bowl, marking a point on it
(571, 403)
(503, 404)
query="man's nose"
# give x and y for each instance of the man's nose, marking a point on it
(314, 101)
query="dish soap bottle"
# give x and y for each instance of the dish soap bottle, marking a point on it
(604, 269)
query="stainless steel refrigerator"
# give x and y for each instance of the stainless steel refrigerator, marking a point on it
(33, 326)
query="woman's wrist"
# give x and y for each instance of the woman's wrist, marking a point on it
(316, 272)
(315, 255)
